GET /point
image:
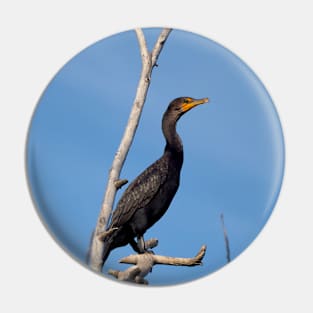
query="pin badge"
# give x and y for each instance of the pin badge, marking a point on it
(155, 156)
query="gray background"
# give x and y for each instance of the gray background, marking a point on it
(273, 38)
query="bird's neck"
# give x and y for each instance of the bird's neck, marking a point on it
(173, 142)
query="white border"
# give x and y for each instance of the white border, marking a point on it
(273, 38)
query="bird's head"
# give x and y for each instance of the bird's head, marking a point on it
(180, 106)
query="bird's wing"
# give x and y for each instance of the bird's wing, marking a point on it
(140, 192)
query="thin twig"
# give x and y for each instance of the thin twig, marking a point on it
(159, 45)
(120, 183)
(226, 239)
(104, 234)
(142, 44)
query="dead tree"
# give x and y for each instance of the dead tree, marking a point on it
(149, 61)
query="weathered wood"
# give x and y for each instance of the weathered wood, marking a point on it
(120, 183)
(197, 260)
(105, 233)
(95, 257)
(143, 264)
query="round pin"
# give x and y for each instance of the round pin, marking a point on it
(152, 148)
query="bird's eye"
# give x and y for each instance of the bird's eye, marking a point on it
(186, 100)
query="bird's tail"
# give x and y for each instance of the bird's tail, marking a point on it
(107, 249)
(109, 243)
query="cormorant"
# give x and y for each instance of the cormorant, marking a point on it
(148, 197)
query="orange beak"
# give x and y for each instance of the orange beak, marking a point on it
(188, 106)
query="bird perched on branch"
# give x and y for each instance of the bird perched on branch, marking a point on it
(148, 197)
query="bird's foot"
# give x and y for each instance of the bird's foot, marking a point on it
(141, 245)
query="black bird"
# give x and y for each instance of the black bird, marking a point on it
(148, 197)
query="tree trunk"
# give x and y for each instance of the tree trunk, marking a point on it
(95, 255)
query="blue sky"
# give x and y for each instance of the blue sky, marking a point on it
(234, 150)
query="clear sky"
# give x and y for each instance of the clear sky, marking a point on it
(233, 147)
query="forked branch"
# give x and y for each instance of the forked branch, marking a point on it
(143, 264)
(95, 256)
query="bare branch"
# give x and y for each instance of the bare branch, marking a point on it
(120, 183)
(197, 260)
(151, 243)
(95, 256)
(129, 274)
(143, 264)
(104, 234)
(142, 45)
(159, 45)
(226, 239)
